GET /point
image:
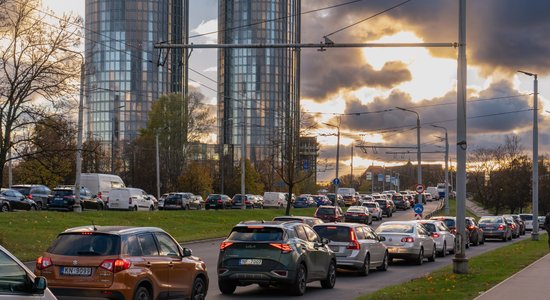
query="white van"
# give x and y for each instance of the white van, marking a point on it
(433, 191)
(129, 199)
(101, 184)
(274, 199)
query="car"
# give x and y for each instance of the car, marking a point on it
(311, 221)
(476, 235)
(288, 254)
(304, 201)
(407, 240)
(450, 222)
(161, 201)
(519, 222)
(132, 199)
(495, 227)
(121, 262)
(374, 209)
(18, 282)
(444, 240)
(36, 192)
(357, 247)
(541, 220)
(321, 200)
(386, 207)
(63, 198)
(329, 213)
(180, 200)
(428, 197)
(410, 198)
(528, 220)
(513, 226)
(155, 200)
(4, 205)
(400, 202)
(239, 201)
(358, 214)
(274, 200)
(16, 200)
(197, 202)
(336, 199)
(218, 201)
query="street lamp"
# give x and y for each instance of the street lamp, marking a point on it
(535, 193)
(446, 169)
(337, 154)
(418, 152)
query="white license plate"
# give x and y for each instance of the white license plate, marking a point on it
(58, 199)
(76, 271)
(393, 250)
(250, 262)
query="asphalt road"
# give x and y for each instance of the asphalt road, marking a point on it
(348, 284)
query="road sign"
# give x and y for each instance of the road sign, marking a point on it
(418, 208)
(387, 178)
(419, 188)
(336, 181)
(380, 177)
(369, 175)
(418, 216)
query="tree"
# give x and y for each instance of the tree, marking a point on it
(253, 182)
(36, 70)
(196, 179)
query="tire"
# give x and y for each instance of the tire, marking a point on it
(385, 262)
(33, 208)
(5, 208)
(142, 293)
(432, 257)
(444, 251)
(199, 289)
(505, 238)
(420, 259)
(476, 243)
(330, 281)
(134, 208)
(151, 208)
(298, 288)
(226, 287)
(482, 240)
(365, 268)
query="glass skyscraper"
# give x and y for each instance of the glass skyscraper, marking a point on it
(124, 73)
(263, 80)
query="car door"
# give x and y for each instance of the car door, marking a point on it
(15, 202)
(426, 239)
(378, 249)
(320, 254)
(181, 269)
(158, 265)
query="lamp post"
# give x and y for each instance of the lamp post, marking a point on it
(535, 192)
(446, 169)
(337, 154)
(418, 151)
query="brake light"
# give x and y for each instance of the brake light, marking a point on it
(408, 239)
(115, 265)
(500, 227)
(255, 227)
(86, 233)
(43, 262)
(471, 227)
(354, 244)
(99, 196)
(224, 245)
(436, 235)
(29, 196)
(220, 201)
(285, 248)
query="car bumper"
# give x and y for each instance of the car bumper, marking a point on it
(403, 252)
(73, 293)
(350, 262)
(494, 234)
(242, 277)
(356, 219)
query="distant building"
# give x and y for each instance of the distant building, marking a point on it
(307, 155)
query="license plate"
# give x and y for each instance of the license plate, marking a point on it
(392, 250)
(250, 262)
(335, 248)
(76, 271)
(58, 199)
(490, 228)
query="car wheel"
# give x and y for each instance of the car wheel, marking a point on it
(33, 208)
(226, 287)
(5, 208)
(330, 281)
(365, 268)
(142, 293)
(432, 257)
(298, 288)
(420, 258)
(134, 208)
(510, 237)
(199, 289)
(482, 240)
(476, 243)
(385, 262)
(444, 251)
(151, 208)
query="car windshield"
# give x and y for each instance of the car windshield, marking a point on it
(486, 220)
(62, 193)
(395, 228)
(526, 217)
(86, 244)
(325, 211)
(334, 233)
(256, 233)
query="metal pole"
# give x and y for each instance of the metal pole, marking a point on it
(337, 158)
(77, 208)
(351, 165)
(460, 262)
(535, 232)
(418, 155)
(372, 177)
(446, 173)
(243, 153)
(158, 164)
(10, 168)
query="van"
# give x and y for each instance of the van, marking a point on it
(433, 191)
(101, 184)
(274, 199)
(129, 199)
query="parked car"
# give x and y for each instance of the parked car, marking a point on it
(374, 209)
(519, 222)
(358, 214)
(274, 200)
(120, 262)
(329, 213)
(410, 198)
(101, 184)
(4, 205)
(218, 201)
(18, 282)
(443, 238)
(400, 201)
(311, 221)
(495, 227)
(16, 200)
(275, 253)
(513, 226)
(64, 198)
(528, 220)
(131, 199)
(239, 201)
(321, 200)
(197, 202)
(304, 201)
(36, 192)
(541, 220)
(356, 246)
(161, 200)
(476, 235)
(386, 207)
(407, 240)
(179, 200)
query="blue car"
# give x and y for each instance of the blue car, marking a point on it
(304, 202)
(321, 200)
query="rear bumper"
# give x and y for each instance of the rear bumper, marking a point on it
(356, 219)
(263, 276)
(73, 293)
(403, 252)
(494, 234)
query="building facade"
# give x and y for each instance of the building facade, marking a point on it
(258, 92)
(124, 74)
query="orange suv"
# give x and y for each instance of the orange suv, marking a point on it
(116, 262)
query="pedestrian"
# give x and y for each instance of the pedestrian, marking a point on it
(547, 226)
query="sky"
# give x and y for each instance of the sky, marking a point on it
(365, 85)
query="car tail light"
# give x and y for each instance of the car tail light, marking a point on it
(471, 227)
(435, 235)
(29, 196)
(224, 245)
(43, 262)
(220, 201)
(500, 227)
(115, 265)
(354, 244)
(408, 239)
(99, 196)
(285, 248)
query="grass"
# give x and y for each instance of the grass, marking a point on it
(28, 234)
(452, 210)
(485, 271)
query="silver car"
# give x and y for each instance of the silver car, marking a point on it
(444, 239)
(356, 246)
(407, 240)
(374, 209)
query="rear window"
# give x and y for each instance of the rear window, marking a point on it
(333, 233)
(356, 209)
(381, 202)
(214, 197)
(397, 198)
(259, 234)
(62, 193)
(286, 219)
(23, 190)
(325, 211)
(369, 205)
(396, 228)
(429, 226)
(86, 244)
(486, 220)
(526, 217)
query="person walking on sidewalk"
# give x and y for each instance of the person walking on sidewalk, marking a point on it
(547, 226)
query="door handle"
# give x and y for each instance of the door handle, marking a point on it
(148, 264)
(171, 264)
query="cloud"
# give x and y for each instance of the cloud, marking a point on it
(206, 27)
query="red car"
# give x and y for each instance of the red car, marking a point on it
(329, 213)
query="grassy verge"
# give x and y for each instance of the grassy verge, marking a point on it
(485, 271)
(27, 234)
(452, 210)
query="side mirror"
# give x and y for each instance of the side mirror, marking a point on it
(187, 252)
(381, 238)
(39, 284)
(325, 241)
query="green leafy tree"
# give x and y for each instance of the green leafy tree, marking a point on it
(197, 179)
(253, 182)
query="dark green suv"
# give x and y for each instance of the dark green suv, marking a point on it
(275, 253)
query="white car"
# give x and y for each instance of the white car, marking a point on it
(407, 240)
(444, 239)
(374, 209)
(129, 199)
(528, 219)
(17, 282)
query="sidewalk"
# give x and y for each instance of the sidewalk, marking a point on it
(529, 283)
(476, 209)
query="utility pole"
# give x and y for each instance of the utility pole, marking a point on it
(243, 147)
(351, 166)
(418, 151)
(446, 169)
(158, 163)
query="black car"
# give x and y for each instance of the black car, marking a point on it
(63, 198)
(266, 253)
(217, 201)
(16, 200)
(386, 207)
(36, 192)
(400, 202)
